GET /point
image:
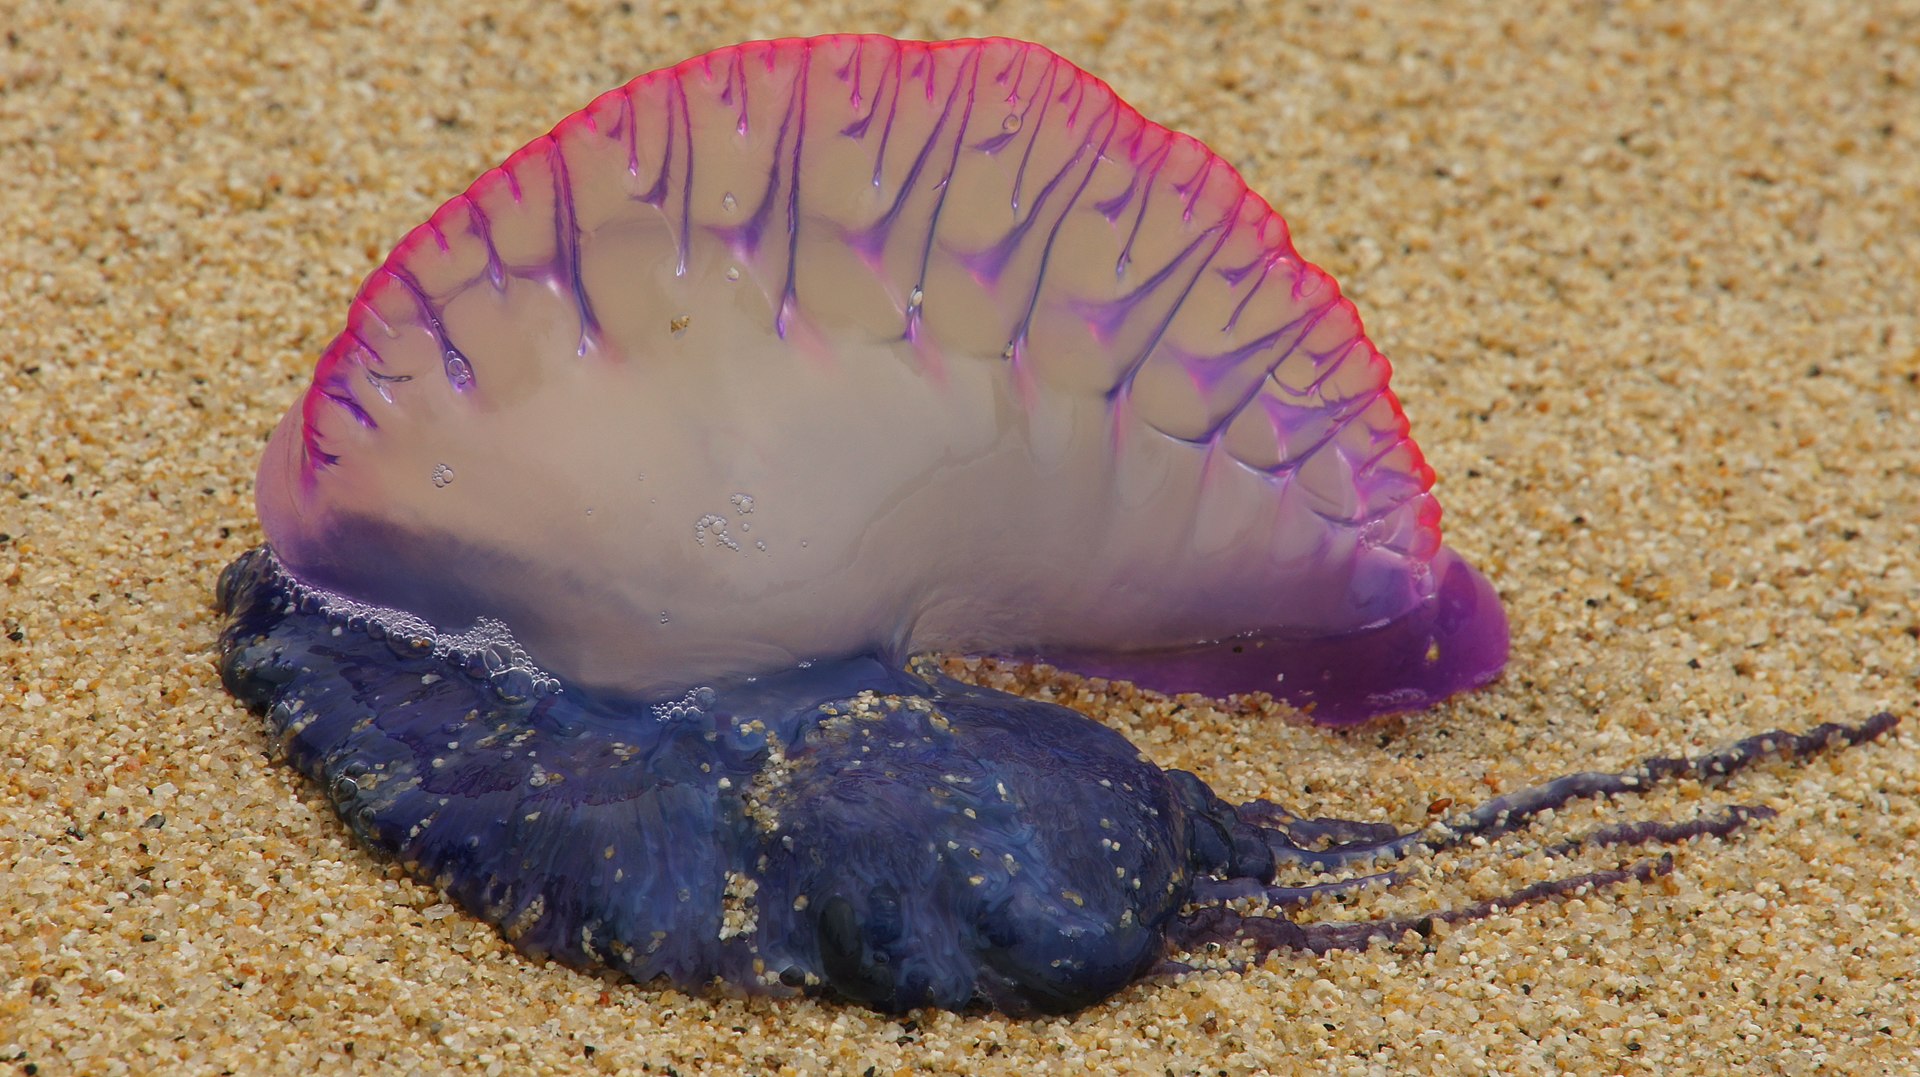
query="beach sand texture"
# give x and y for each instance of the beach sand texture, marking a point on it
(1649, 275)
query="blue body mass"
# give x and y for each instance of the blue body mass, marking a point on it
(893, 838)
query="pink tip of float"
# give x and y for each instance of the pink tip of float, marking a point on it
(1455, 642)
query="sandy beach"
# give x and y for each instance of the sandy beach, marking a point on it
(1649, 275)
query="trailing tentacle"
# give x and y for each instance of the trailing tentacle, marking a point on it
(1232, 841)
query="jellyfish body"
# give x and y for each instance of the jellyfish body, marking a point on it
(601, 544)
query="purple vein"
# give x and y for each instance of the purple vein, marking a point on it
(339, 388)
(1045, 97)
(893, 111)
(797, 114)
(953, 161)
(1342, 415)
(1312, 320)
(1220, 230)
(1078, 88)
(738, 74)
(482, 225)
(448, 353)
(1020, 55)
(885, 222)
(362, 346)
(926, 69)
(1104, 313)
(995, 258)
(1110, 208)
(566, 229)
(366, 356)
(858, 127)
(1319, 380)
(1151, 169)
(655, 196)
(1191, 188)
(678, 94)
(1292, 333)
(631, 124)
(746, 235)
(849, 72)
(1341, 420)
(1053, 234)
(1266, 262)
(352, 408)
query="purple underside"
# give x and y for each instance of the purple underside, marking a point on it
(1453, 642)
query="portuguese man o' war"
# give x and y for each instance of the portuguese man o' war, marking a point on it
(605, 548)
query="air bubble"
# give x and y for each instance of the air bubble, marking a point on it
(459, 371)
(742, 503)
(728, 202)
(760, 544)
(716, 526)
(485, 650)
(514, 685)
(442, 476)
(409, 645)
(663, 617)
(694, 704)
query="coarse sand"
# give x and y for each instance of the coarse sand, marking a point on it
(1649, 274)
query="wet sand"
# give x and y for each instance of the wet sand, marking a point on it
(1649, 281)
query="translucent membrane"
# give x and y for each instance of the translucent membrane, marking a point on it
(809, 349)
